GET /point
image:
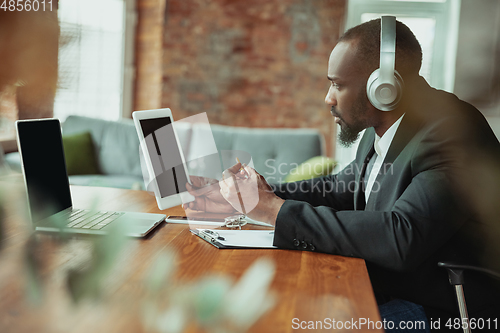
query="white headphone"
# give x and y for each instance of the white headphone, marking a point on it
(385, 86)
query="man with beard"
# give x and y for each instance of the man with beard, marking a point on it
(418, 192)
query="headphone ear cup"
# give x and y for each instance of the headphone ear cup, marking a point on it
(373, 87)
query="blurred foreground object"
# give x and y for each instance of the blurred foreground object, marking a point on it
(29, 42)
(91, 292)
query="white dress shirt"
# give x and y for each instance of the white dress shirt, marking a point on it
(381, 146)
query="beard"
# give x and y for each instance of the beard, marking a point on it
(349, 133)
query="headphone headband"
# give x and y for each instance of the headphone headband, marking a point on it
(385, 85)
(387, 49)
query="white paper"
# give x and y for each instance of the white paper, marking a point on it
(201, 221)
(246, 238)
(196, 222)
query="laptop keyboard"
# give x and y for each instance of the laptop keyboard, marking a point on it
(86, 219)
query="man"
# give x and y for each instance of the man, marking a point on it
(406, 202)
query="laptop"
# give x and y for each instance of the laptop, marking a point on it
(47, 185)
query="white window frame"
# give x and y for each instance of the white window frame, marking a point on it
(126, 62)
(128, 75)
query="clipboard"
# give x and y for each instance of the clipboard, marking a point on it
(237, 239)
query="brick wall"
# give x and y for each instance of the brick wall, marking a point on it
(260, 63)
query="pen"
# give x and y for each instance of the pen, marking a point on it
(241, 167)
(240, 199)
(239, 196)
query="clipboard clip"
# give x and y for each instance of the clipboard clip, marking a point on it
(235, 221)
(210, 235)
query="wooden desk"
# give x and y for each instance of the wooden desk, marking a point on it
(309, 286)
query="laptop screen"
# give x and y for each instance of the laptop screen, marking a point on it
(42, 154)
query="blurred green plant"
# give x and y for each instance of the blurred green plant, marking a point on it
(216, 303)
(7, 181)
(88, 283)
(33, 266)
(2, 220)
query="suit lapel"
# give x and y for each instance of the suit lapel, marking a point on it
(406, 131)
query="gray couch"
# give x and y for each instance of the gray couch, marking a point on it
(273, 152)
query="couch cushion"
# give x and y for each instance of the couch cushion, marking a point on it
(274, 152)
(119, 181)
(79, 153)
(116, 143)
(13, 161)
(314, 167)
(127, 182)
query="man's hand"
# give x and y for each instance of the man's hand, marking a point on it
(208, 198)
(249, 193)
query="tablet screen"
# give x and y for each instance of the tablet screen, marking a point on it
(165, 156)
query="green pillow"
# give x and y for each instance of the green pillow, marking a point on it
(314, 167)
(80, 154)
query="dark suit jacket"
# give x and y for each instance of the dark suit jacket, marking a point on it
(423, 207)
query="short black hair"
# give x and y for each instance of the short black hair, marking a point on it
(367, 37)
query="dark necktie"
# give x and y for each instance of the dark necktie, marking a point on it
(365, 173)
